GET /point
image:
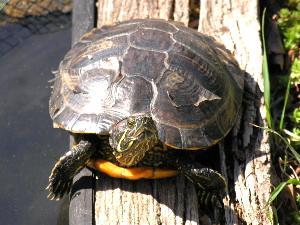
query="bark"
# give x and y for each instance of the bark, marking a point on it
(112, 11)
(167, 201)
(236, 24)
(245, 157)
(82, 194)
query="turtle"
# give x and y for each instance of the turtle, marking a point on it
(141, 97)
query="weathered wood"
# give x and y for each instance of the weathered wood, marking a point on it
(236, 24)
(81, 209)
(173, 201)
(166, 201)
(112, 11)
(83, 18)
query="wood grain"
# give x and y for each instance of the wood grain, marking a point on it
(112, 11)
(81, 209)
(166, 201)
(245, 154)
(236, 24)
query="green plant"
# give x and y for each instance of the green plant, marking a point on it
(266, 75)
(295, 71)
(287, 137)
(280, 187)
(286, 141)
(289, 24)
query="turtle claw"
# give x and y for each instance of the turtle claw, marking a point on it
(207, 180)
(211, 185)
(209, 199)
(60, 180)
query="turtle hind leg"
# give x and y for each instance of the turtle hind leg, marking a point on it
(207, 179)
(60, 180)
(209, 199)
(210, 184)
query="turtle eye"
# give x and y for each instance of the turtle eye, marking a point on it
(130, 122)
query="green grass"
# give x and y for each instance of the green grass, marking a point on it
(266, 75)
(280, 187)
(286, 97)
(284, 139)
(288, 128)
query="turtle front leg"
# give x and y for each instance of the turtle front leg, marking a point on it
(67, 167)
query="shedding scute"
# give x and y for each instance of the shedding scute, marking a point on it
(85, 123)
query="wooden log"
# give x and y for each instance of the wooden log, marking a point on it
(236, 24)
(83, 18)
(167, 201)
(112, 11)
(174, 201)
(81, 208)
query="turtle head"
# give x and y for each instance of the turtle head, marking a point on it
(132, 138)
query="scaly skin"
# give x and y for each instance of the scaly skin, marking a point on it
(60, 180)
(160, 162)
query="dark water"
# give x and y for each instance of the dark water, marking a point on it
(29, 145)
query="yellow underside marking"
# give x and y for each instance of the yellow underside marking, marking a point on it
(133, 173)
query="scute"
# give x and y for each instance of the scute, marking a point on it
(139, 62)
(133, 94)
(157, 24)
(188, 83)
(150, 39)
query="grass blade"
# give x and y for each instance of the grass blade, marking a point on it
(280, 187)
(291, 148)
(276, 192)
(286, 97)
(266, 75)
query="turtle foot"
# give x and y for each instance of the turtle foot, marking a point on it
(209, 199)
(207, 179)
(210, 184)
(61, 178)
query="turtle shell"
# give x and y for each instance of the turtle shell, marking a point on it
(189, 84)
